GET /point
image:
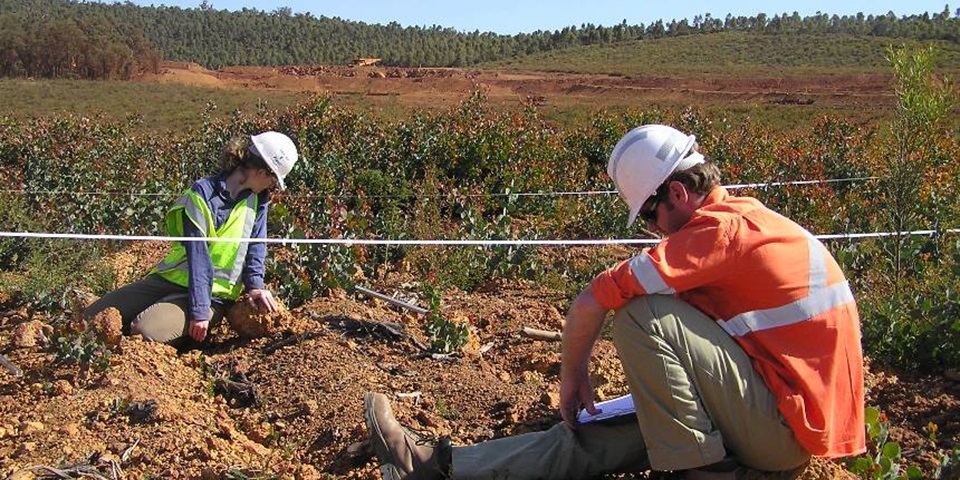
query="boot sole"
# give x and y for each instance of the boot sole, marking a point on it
(387, 470)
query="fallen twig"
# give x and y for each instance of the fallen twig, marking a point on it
(414, 395)
(128, 451)
(10, 366)
(392, 301)
(382, 328)
(542, 334)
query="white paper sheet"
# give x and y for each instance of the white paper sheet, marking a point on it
(615, 407)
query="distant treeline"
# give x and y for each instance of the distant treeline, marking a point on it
(57, 38)
(69, 45)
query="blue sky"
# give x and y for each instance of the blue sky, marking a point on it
(510, 17)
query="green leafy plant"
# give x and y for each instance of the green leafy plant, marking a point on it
(949, 464)
(119, 405)
(445, 410)
(83, 350)
(446, 336)
(237, 473)
(883, 458)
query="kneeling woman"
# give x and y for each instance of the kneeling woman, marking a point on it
(188, 292)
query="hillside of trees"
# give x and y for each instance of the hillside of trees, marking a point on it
(70, 45)
(64, 38)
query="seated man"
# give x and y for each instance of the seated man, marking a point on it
(738, 334)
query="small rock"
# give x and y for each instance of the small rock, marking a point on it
(309, 408)
(551, 399)
(70, 430)
(256, 448)
(28, 427)
(27, 334)
(429, 419)
(259, 432)
(107, 326)
(62, 387)
(306, 471)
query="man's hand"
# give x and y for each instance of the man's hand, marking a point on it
(576, 391)
(580, 332)
(198, 330)
(262, 299)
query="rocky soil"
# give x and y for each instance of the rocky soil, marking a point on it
(285, 401)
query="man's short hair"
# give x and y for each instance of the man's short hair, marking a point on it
(699, 179)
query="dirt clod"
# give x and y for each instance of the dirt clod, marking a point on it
(252, 322)
(107, 326)
(28, 334)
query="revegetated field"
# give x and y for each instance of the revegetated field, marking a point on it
(429, 153)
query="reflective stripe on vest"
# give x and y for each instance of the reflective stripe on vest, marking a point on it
(227, 258)
(820, 299)
(648, 276)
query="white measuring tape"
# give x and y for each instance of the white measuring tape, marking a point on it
(486, 243)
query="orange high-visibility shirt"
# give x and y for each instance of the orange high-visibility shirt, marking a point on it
(780, 294)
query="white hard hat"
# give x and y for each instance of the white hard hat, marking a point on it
(644, 158)
(278, 151)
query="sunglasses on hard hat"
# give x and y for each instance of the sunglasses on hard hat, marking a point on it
(648, 212)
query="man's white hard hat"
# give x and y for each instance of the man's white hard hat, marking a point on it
(278, 151)
(644, 158)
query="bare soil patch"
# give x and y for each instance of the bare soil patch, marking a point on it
(440, 87)
(290, 403)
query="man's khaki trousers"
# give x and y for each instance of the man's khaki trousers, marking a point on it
(698, 401)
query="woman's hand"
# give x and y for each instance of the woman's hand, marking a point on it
(262, 299)
(198, 330)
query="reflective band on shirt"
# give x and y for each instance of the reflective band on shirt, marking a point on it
(194, 213)
(820, 299)
(811, 306)
(648, 276)
(238, 261)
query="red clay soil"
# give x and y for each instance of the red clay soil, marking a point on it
(441, 87)
(289, 405)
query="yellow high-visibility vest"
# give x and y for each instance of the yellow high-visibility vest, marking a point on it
(227, 257)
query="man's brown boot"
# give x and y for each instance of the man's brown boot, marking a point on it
(402, 457)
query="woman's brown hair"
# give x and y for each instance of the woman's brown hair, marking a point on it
(236, 153)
